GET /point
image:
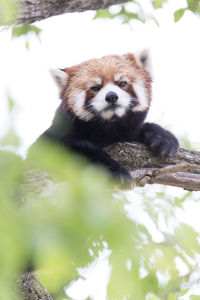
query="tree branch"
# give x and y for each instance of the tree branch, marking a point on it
(35, 10)
(182, 171)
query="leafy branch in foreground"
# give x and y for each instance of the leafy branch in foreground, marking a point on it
(64, 212)
(133, 10)
(58, 213)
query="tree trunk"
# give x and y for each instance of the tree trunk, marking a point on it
(35, 10)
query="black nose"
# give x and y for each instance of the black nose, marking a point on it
(111, 97)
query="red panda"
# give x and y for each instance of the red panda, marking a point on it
(85, 85)
(104, 101)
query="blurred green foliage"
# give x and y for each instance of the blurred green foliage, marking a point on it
(123, 13)
(58, 212)
(25, 29)
(8, 10)
(158, 3)
(10, 137)
(179, 14)
(187, 144)
(134, 10)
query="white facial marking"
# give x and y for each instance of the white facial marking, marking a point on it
(120, 111)
(97, 80)
(100, 104)
(80, 111)
(94, 81)
(117, 76)
(120, 77)
(107, 114)
(142, 97)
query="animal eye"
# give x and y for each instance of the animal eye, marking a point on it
(95, 88)
(122, 83)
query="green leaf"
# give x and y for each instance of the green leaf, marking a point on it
(27, 45)
(195, 297)
(179, 14)
(25, 29)
(158, 3)
(123, 13)
(104, 13)
(7, 12)
(153, 297)
(172, 297)
(10, 138)
(179, 201)
(11, 103)
(156, 21)
(189, 245)
(183, 292)
(193, 5)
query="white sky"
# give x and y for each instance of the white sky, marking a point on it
(72, 38)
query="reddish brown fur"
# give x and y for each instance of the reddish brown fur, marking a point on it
(104, 68)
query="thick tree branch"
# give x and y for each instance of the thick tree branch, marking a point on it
(35, 10)
(182, 171)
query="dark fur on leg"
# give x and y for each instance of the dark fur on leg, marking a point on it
(95, 155)
(160, 141)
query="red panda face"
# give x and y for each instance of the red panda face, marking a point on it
(106, 88)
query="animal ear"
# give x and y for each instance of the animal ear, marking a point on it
(61, 78)
(144, 60)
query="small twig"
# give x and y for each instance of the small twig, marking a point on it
(175, 168)
(187, 181)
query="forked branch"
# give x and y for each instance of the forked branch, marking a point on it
(182, 171)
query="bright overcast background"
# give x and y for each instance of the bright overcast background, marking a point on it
(71, 38)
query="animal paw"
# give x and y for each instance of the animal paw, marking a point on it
(164, 145)
(123, 177)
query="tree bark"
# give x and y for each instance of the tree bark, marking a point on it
(182, 171)
(30, 288)
(35, 10)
